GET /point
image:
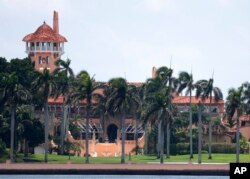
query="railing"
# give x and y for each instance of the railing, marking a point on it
(45, 49)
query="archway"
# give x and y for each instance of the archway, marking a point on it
(112, 132)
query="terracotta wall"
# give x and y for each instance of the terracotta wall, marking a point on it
(220, 138)
(245, 131)
(109, 149)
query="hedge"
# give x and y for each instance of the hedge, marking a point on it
(184, 148)
(2, 147)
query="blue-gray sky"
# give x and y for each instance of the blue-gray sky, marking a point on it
(111, 38)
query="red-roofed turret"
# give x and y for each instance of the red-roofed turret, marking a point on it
(45, 45)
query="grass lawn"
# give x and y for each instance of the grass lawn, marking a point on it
(217, 158)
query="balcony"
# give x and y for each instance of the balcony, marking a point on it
(59, 50)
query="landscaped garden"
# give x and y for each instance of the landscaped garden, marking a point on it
(217, 158)
(171, 131)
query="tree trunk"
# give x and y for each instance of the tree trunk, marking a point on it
(168, 140)
(123, 137)
(46, 134)
(199, 133)
(26, 148)
(161, 143)
(238, 138)
(146, 139)
(159, 140)
(210, 130)
(136, 135)
(67, 119)
(190, 126)
(103, 124)
(62, 128)
(12, 127)
(87, 137)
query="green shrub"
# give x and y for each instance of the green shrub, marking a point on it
(204, 152)
(2, 147)
(221, 148)
(179, 149)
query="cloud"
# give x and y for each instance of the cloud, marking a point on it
(149, 55)
(225, 3)
(30, 6)
(156, 5)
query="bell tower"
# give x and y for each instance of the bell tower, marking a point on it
(45, 46)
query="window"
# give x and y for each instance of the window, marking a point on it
(40, 60)
(43, 60)
(37, 44)
(47, 60)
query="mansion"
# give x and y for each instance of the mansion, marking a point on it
(44, 47)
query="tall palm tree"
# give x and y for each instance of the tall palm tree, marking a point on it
(137, 112)
(199, 132)
(84, 89)
(234, 105)
(186, 81)
(12, 93)
(152, 86)
(246, 97)
(64, 67)
(121, 97)
(63, 77)
(158, 104)
(166, 76)
(100, 108)
(45, 85)
(208, 92)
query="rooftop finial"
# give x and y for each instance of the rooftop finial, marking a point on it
(44, 22)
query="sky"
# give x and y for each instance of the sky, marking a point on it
(126, 38)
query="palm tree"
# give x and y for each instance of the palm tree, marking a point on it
(45, 85)
(63, 77)
(186, 81)
(100, 108)
(12, 93)
(165, 74)
(84, 89)
(246, 97)
(121, 97)
(137, 105)
(199, 132)
(152, 86)
(158, 104)
(234, 106)
(64, 67)
(208, 91)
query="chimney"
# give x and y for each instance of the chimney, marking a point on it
(153, 72)
(55, 22)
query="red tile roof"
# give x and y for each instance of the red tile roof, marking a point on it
(44, 33)
(59, 100)
(176, 100)
(245, 117)
(194, 100)
(137, 84)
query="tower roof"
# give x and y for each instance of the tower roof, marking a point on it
(44, 33)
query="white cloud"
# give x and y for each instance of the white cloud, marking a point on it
(225, 3)
(156, 5)
(149, 55)
(30, 6)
